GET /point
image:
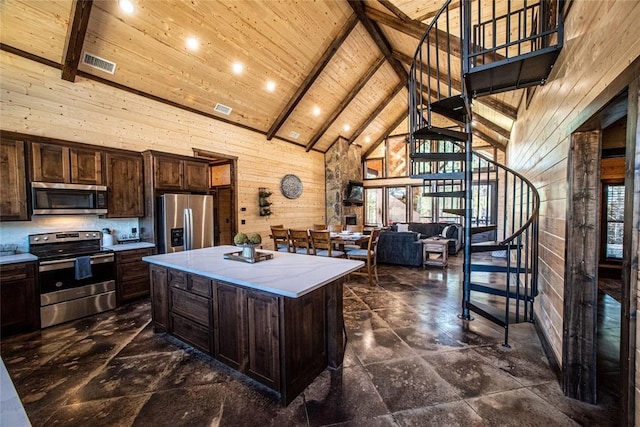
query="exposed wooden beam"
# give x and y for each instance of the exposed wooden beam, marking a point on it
(395, 10)
(486, 138)
(497, 105)
(76, 32)
(416, 30)
(313, 75)
(347, 99)
(378, 37)
(385, 135)
(489, 124)
(429, 16)
(377, 111)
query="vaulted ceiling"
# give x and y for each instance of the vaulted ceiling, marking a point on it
(312, 71)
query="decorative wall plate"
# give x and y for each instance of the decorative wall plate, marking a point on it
(291, 186)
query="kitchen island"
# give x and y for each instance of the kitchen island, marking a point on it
(278, 321)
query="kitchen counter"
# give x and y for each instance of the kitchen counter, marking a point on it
(287, 274)
(278, 321)
(12, 259)
(129, 246)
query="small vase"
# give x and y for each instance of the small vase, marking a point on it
(249, 251)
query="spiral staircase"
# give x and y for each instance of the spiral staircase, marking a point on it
(471, 50)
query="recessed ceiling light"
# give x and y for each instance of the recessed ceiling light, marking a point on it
(367, 139)
(294, 134)
(126, 6)
(346, 128)
(316, 111)
(271, 86)
(192, 43)
(238, 67)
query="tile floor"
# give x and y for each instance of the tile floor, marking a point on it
(409, 361)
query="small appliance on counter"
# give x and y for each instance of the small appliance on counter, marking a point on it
(108, 239)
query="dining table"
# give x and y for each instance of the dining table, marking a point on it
(348, 238)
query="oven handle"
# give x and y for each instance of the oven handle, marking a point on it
(71, 262)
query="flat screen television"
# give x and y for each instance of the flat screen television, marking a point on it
(355, 192)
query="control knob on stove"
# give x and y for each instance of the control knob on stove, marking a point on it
(35, 239)
(45, 238)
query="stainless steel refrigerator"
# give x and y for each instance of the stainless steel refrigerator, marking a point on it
(185, 221)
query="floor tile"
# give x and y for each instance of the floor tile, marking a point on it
(453, 414)
(378, 345)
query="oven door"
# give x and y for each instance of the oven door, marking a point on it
(57, 275)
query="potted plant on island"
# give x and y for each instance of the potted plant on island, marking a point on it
(248, 243)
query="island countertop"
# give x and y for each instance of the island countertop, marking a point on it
(287, 274)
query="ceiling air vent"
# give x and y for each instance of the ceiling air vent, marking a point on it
(100, 63)
(222, 109)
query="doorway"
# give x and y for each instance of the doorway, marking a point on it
(222, 186)
(601, 257)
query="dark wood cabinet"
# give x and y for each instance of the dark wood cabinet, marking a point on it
(190, 309)
(60, 163)
(132, 275)
(13, 181)
(168, 173)
(19, 305)
(160, 298)
(124, 182)
(196, 176)
(229, 313)
(263, 343)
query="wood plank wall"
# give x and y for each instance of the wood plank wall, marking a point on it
(602, 39)
(36, 101)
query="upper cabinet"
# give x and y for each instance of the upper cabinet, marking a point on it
(13, 179)
(177, 173)
(124, 185)
(58, 163)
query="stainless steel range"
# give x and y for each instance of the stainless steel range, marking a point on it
(77, 277)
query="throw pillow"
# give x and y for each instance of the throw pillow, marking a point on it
(444, 232)
(403, 227)
(453, 232)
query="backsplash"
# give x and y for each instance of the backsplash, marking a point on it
(17, 232)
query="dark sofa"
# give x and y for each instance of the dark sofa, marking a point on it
(405, 248)
(401, 248)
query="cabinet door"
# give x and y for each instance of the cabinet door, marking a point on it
(196, 176)
(13, 179)
(132, 275)
(50, 163)
(159, 297)
(168, 173)
(229, 325)
(86, 166)
(19, 310)
(124, 185)
(263, 338)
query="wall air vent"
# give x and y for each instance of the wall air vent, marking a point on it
(100, 63)
(222, 109)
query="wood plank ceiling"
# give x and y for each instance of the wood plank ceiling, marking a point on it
(335, 68)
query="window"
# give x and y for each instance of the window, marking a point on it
(397, 204)
(422, 207)
(614, 217)
(397, 157)
(373, 207)
(374, 168)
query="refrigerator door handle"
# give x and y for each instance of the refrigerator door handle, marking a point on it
(187, 229)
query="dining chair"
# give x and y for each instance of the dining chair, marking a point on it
(355, 228)
(322, 246)
(334, 228)
(281, 242)
(319, 227)
(300, 241)
(368, 256)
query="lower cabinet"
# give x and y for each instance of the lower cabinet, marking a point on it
(280, 342)
(132, 275)
(19, 305)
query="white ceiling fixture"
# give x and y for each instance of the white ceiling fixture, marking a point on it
(98, 63)
(367, 139)
(316, 111)
(237, 67)
(347, 128)
(294, 135)
(271, 86)
(192, 43)
(222, 109)
(127, 6)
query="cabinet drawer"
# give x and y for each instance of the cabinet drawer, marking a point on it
(177, 279)
(132, 271)
(133, 288)
(126, 257)
(191, 332)
(17, 271)
(191, 306)
(199, 285)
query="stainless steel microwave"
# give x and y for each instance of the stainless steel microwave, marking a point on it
(64, 199)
